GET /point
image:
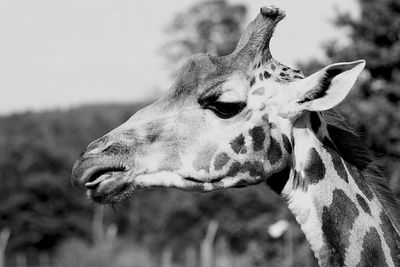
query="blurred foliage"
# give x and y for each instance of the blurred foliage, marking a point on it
(373, 106)
(212, 27)
(37, 152)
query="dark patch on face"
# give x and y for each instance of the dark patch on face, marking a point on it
(315, 168)
(284, 69)
(265, 118)
(259, 91)
(286, 144)
(259, 64)
(337, 221)
(315, 121)
(272, 125)
(260, 76)
(255, 169)
(372, 254)
(359, 179)
(274, 152)
(364, 205)
(282, 74)
(220, 161)
(336, 160)
(234, 169)
(171, 162)
(258, 136)
(267, 75)
(204, 157)
(392, 238)
(277, 181)
(273, 67)
(153, 131)
(252, 81)
(238, 144)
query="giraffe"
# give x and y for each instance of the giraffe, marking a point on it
(246, 119)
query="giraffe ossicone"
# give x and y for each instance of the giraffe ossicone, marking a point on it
(245, 119)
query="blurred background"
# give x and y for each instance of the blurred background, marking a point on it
(70, 71)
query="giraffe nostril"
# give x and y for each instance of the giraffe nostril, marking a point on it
(97, 146)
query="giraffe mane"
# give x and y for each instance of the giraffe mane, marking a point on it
(352, 150)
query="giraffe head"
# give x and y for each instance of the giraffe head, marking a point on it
(225, 122)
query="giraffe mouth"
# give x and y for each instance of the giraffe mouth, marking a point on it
(101, 175)
(105, 182)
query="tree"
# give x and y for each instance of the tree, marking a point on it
(212, 27)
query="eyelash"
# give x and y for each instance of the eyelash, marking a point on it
(224, 110)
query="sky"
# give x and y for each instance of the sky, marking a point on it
(61, 54)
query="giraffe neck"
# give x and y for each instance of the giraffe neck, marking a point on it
(341, 216)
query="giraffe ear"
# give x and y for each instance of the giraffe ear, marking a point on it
(324, 89)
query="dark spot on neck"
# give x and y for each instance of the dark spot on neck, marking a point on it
(364, 205)
(337, 221)
(258, 136)
(315, 169)
(284, 69)
(260, 76)
(238, 144)
(328, 144)
(372, 254)
(287, 144)
(277, 181)
(282, 74)
(273, 67)
(220, 161)
(359, 179)
(336, 160)
(315, 121)
(392, 238)
(274, 152)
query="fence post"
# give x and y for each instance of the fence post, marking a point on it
(4, 237)
(97, 224)
(207, 245)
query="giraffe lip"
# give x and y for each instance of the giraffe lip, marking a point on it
(100, 175)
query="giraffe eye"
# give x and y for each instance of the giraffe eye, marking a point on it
(221, 108)
(225, 110)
